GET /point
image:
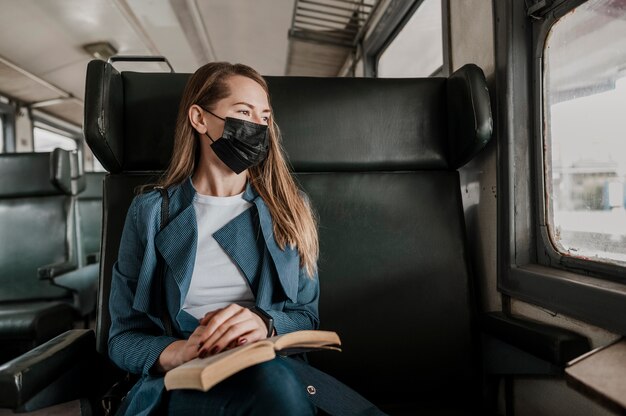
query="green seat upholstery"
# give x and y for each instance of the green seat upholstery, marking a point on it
(38, 247)
(35, 206)
(25, 325)
(89, 218)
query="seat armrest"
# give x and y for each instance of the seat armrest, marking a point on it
(93, 258)
(51, 271)
(83, 283)
(550, 343)
(25, 376)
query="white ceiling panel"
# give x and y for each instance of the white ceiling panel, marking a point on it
(249, 32)
(45, 38)
(162, 26)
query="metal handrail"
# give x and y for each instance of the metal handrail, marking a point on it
(140, 58)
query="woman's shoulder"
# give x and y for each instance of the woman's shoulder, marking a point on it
(146, 199)
(149, 201)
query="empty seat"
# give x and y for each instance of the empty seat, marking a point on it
(34, 212)
(89, 218)
(25, 325)
(38, 251)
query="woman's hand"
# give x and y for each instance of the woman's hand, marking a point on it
(179, 352)
(229, 327)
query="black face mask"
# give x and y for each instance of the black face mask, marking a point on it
(243, 144)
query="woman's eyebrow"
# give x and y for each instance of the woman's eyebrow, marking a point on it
(267, 110)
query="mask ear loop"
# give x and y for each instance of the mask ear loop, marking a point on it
(207, 135)
(214, 115)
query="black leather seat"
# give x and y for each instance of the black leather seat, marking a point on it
(378, 158)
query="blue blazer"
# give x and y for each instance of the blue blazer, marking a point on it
(281, 287)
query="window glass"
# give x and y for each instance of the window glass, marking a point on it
(97, 166)
(584, 97)
(417, 51)
(47, 141)
(359, 70)
(91, 163)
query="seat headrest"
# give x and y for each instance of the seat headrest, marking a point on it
(327, 124)
(35, 174)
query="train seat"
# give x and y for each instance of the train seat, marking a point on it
(41, 203)
(25, 325)
(34, 196)
(378, 158)
(89, 218)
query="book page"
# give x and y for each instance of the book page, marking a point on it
(303, 340)
(204, 373)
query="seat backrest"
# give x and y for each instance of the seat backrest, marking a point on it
(35, 213)
(378, 158)
(89, 218)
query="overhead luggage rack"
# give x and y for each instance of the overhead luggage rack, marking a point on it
(335, 22)
(324, 32)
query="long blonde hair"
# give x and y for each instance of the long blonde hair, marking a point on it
(293, 219)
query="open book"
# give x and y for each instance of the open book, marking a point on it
(204, 373)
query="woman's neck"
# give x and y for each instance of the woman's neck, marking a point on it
(211, 180)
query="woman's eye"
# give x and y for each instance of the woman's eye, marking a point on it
(245, 112)
(266, 119)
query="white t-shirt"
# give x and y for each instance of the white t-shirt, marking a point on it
(216, 280)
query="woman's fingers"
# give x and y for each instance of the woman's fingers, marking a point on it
(232, 325)
(239, 329)
(218, 317)
(205, 319)
(232, 334)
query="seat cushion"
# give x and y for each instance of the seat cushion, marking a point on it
(23, 326)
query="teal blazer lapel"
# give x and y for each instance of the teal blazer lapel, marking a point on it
(287, 261)
(177, 244)
(177, 241)
(242, 240)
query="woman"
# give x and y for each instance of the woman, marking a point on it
(240, 250)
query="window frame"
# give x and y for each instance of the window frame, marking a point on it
(45, 122)
(395, 17)
(7, 112)
(529, 268)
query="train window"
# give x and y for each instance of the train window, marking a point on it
(417, 50)
(584, 130)
(562, 158)
(359, 70)
(6, 111)
(47, 140)
(91, 163)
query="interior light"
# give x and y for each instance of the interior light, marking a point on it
(100, 50)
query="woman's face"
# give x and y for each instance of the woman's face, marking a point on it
(247, 101)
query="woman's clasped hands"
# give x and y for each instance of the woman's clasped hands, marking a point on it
(219, 330)
(227, 328)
